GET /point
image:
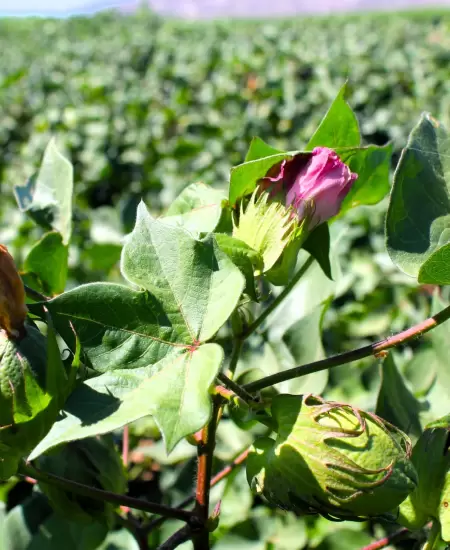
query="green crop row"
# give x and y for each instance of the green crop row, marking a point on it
(143, 104)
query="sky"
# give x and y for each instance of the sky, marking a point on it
(200, 8)
(26, 7)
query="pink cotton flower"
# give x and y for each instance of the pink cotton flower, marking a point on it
(314, 184)
(320, 186)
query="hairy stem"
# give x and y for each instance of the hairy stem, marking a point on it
(26, 470)
(287, 289)
(349, 356)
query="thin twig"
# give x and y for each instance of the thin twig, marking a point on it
(240, 459)
(135, 529)
(236, 388)
(26, 470)
(35, 295)
(354, 355)
(237, 348)
(287, 289)
(180, 536)
(386, 541)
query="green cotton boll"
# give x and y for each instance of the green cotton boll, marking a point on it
(431, 498)
(29, 401)
(268, 227)
(331, 459)
(93, 461)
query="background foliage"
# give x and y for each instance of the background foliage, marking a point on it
(144, 106)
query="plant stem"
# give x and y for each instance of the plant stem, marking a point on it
(105, 496)
(35, 295)
(433, 536)
(135, 529)
(349, 356)
(236, 388)
(180, 536)
(237, 348)
(388, 540)
(240, 459)
(287, 289)
(204, 473)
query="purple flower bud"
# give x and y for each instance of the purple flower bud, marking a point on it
(325, 180)
(314, 186)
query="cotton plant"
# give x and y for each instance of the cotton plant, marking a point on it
(154, 345)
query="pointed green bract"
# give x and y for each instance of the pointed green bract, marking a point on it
(259, 149)
(244, 177)
(339, 127)
(267, 227)
(418, 220)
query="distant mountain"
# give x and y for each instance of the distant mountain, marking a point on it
(200, 9)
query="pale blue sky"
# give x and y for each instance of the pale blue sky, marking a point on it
(22, 7)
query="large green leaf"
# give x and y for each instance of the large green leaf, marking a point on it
(197, 209)
(339, 127)
(196, 283)
(436, 269)
(148, 343)
(49, 195)
(418, 220)
(174, 391)
(47, 262)
(32, 525)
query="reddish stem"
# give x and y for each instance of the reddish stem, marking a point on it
(349, 356)
(386, 541)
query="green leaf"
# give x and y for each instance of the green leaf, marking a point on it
(318, 245)
(49, 195)
(259, 149)
(56, 533)
(174, 391)
(396, 403)
(197, 284)
(372, 164)
(436, 269)
(197, 209)
(148, 343)
(24, 520)
(339, 127)
(119, 540)
(245, 177)
(418, 219)
(304, 342)
(47, 261)
(244, 257)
